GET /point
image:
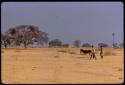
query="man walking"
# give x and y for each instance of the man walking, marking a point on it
(101, 52)
(93, 53)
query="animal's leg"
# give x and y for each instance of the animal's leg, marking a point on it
(101, 55)
(95, 56)
(80, 53)
(91, 56)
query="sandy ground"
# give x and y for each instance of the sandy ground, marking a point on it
(61, 65)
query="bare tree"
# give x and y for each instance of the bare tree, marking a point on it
(77, 43)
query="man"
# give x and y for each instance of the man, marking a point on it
(101, 52)
(93, 53)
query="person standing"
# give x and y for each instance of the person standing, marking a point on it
(101, 51)
(93, 53)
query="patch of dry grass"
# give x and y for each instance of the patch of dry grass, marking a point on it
(64, 51)
(109, 53)
(72, 52)
(18, 51)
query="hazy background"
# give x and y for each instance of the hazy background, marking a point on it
(90, 22)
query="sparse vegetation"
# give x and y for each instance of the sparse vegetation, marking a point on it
(77, 43)
(55, 43)
(103, 45)
(121, 45)
(86, 45)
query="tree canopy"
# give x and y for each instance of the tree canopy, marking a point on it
(55, 43)
(24, 34)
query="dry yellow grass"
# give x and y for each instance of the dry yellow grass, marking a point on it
(60, 65)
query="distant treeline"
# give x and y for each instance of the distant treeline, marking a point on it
(30, 35)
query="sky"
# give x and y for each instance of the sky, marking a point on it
(89, 22)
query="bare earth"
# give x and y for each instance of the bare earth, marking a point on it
(61, 65)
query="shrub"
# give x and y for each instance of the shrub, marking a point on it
(86, 45)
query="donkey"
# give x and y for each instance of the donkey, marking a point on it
(85, 52)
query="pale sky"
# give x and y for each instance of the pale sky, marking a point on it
(90, 22)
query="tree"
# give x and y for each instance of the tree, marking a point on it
(115, 45)
(5, 39)
(103, 45)
(113, 34)
(43, 38)
(14, 35)
(12, 31)
(86, 45)
(55, 43)
(25, 33)
(121, 45)
(77, 43)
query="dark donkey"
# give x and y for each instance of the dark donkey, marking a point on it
(85, 51)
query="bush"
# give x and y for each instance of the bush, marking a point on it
(77, 43)
(103, 45)
(86, 45)
(55, 43)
